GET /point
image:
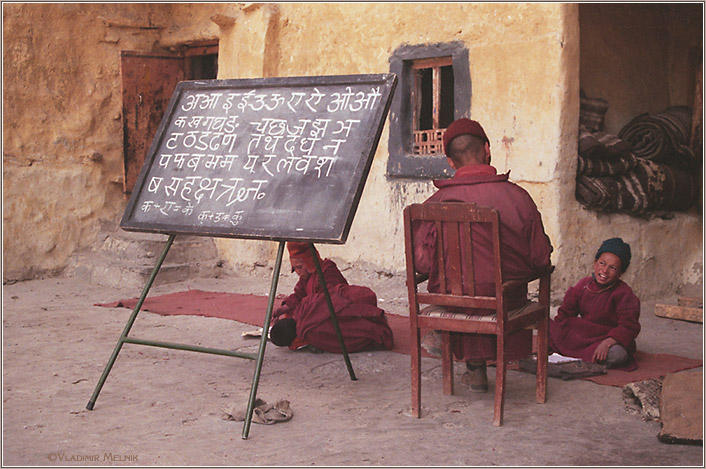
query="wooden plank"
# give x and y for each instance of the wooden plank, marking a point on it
(691, 302)
(684, 313)
(681, 408)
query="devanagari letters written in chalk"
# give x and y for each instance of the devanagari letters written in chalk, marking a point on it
(261, 161)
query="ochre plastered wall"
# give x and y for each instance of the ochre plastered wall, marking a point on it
(528, 106)
(62, 155)
(639, 58)
(524, 66)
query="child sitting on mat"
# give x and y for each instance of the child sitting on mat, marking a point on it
(304, 317)
(598, 320)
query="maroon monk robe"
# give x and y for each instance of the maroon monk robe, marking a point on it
(363, 325)
(525, 249)
(312, 284)
(589, 314)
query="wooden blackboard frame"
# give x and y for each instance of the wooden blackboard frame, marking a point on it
(336, 234)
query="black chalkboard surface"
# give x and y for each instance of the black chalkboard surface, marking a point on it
(271, 158)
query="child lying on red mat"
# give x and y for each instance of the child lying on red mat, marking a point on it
(304, 317)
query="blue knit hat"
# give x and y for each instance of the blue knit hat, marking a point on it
(618, 247)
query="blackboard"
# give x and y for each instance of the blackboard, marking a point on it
(281, 158)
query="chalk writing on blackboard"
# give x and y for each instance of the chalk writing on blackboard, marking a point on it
(274, 158)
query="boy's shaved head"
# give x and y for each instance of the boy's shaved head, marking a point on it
(467, 149)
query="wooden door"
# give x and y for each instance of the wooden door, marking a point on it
(148, 81)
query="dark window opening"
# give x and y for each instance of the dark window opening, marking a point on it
(203, 67)
(433, 107)
(201, 61)
(446, 111)
(425, 96)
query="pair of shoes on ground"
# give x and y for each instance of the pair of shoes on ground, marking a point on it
(431, 342)
(476, 375)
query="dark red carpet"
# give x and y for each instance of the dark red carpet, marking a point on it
(248, 309)
(650, 366)
(251, 309)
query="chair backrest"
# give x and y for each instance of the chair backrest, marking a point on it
(467, 255)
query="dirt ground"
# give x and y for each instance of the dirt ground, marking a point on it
(165, 407)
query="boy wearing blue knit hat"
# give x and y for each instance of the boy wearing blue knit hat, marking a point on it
(598, 321)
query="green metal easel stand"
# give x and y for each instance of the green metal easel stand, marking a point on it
(334, 319)
(214, 351)
(124, 339)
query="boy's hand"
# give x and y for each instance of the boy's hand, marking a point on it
(280, 311)
(601, 352)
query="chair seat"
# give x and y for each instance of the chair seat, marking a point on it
(438, 311)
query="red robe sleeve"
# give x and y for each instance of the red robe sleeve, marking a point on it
(628, 313)
(570, 305)
(424, 246)
(312, 284)
(540, 244)
(293, 300)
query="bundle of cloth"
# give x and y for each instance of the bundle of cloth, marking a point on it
(647, 167)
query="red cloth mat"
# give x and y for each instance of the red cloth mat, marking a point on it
(650, 366)
(250, 309)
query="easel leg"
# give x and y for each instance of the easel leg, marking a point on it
(129, 324)
(263, 341)
(334, 320)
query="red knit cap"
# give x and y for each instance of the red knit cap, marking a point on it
(297, 249)
(463, 127)
(301, 251)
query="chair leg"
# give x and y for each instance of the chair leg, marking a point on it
(416, 355)
(542, 360)
(447, 363)
(499, 383)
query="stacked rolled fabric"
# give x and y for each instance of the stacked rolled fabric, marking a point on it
(592, 112)
(605, 181)
(662, 138)
(603, 154)
(646, 168)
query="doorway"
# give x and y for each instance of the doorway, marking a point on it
(148, 81)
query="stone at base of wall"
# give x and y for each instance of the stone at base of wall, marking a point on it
(127, 259)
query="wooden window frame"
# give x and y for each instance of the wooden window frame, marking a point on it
(403, 161)
(428, 141)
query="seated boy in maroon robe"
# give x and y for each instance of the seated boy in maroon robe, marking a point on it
(304, 317)
(598, 320)
(526, 248)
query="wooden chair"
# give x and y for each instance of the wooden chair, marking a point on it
(456, 278)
